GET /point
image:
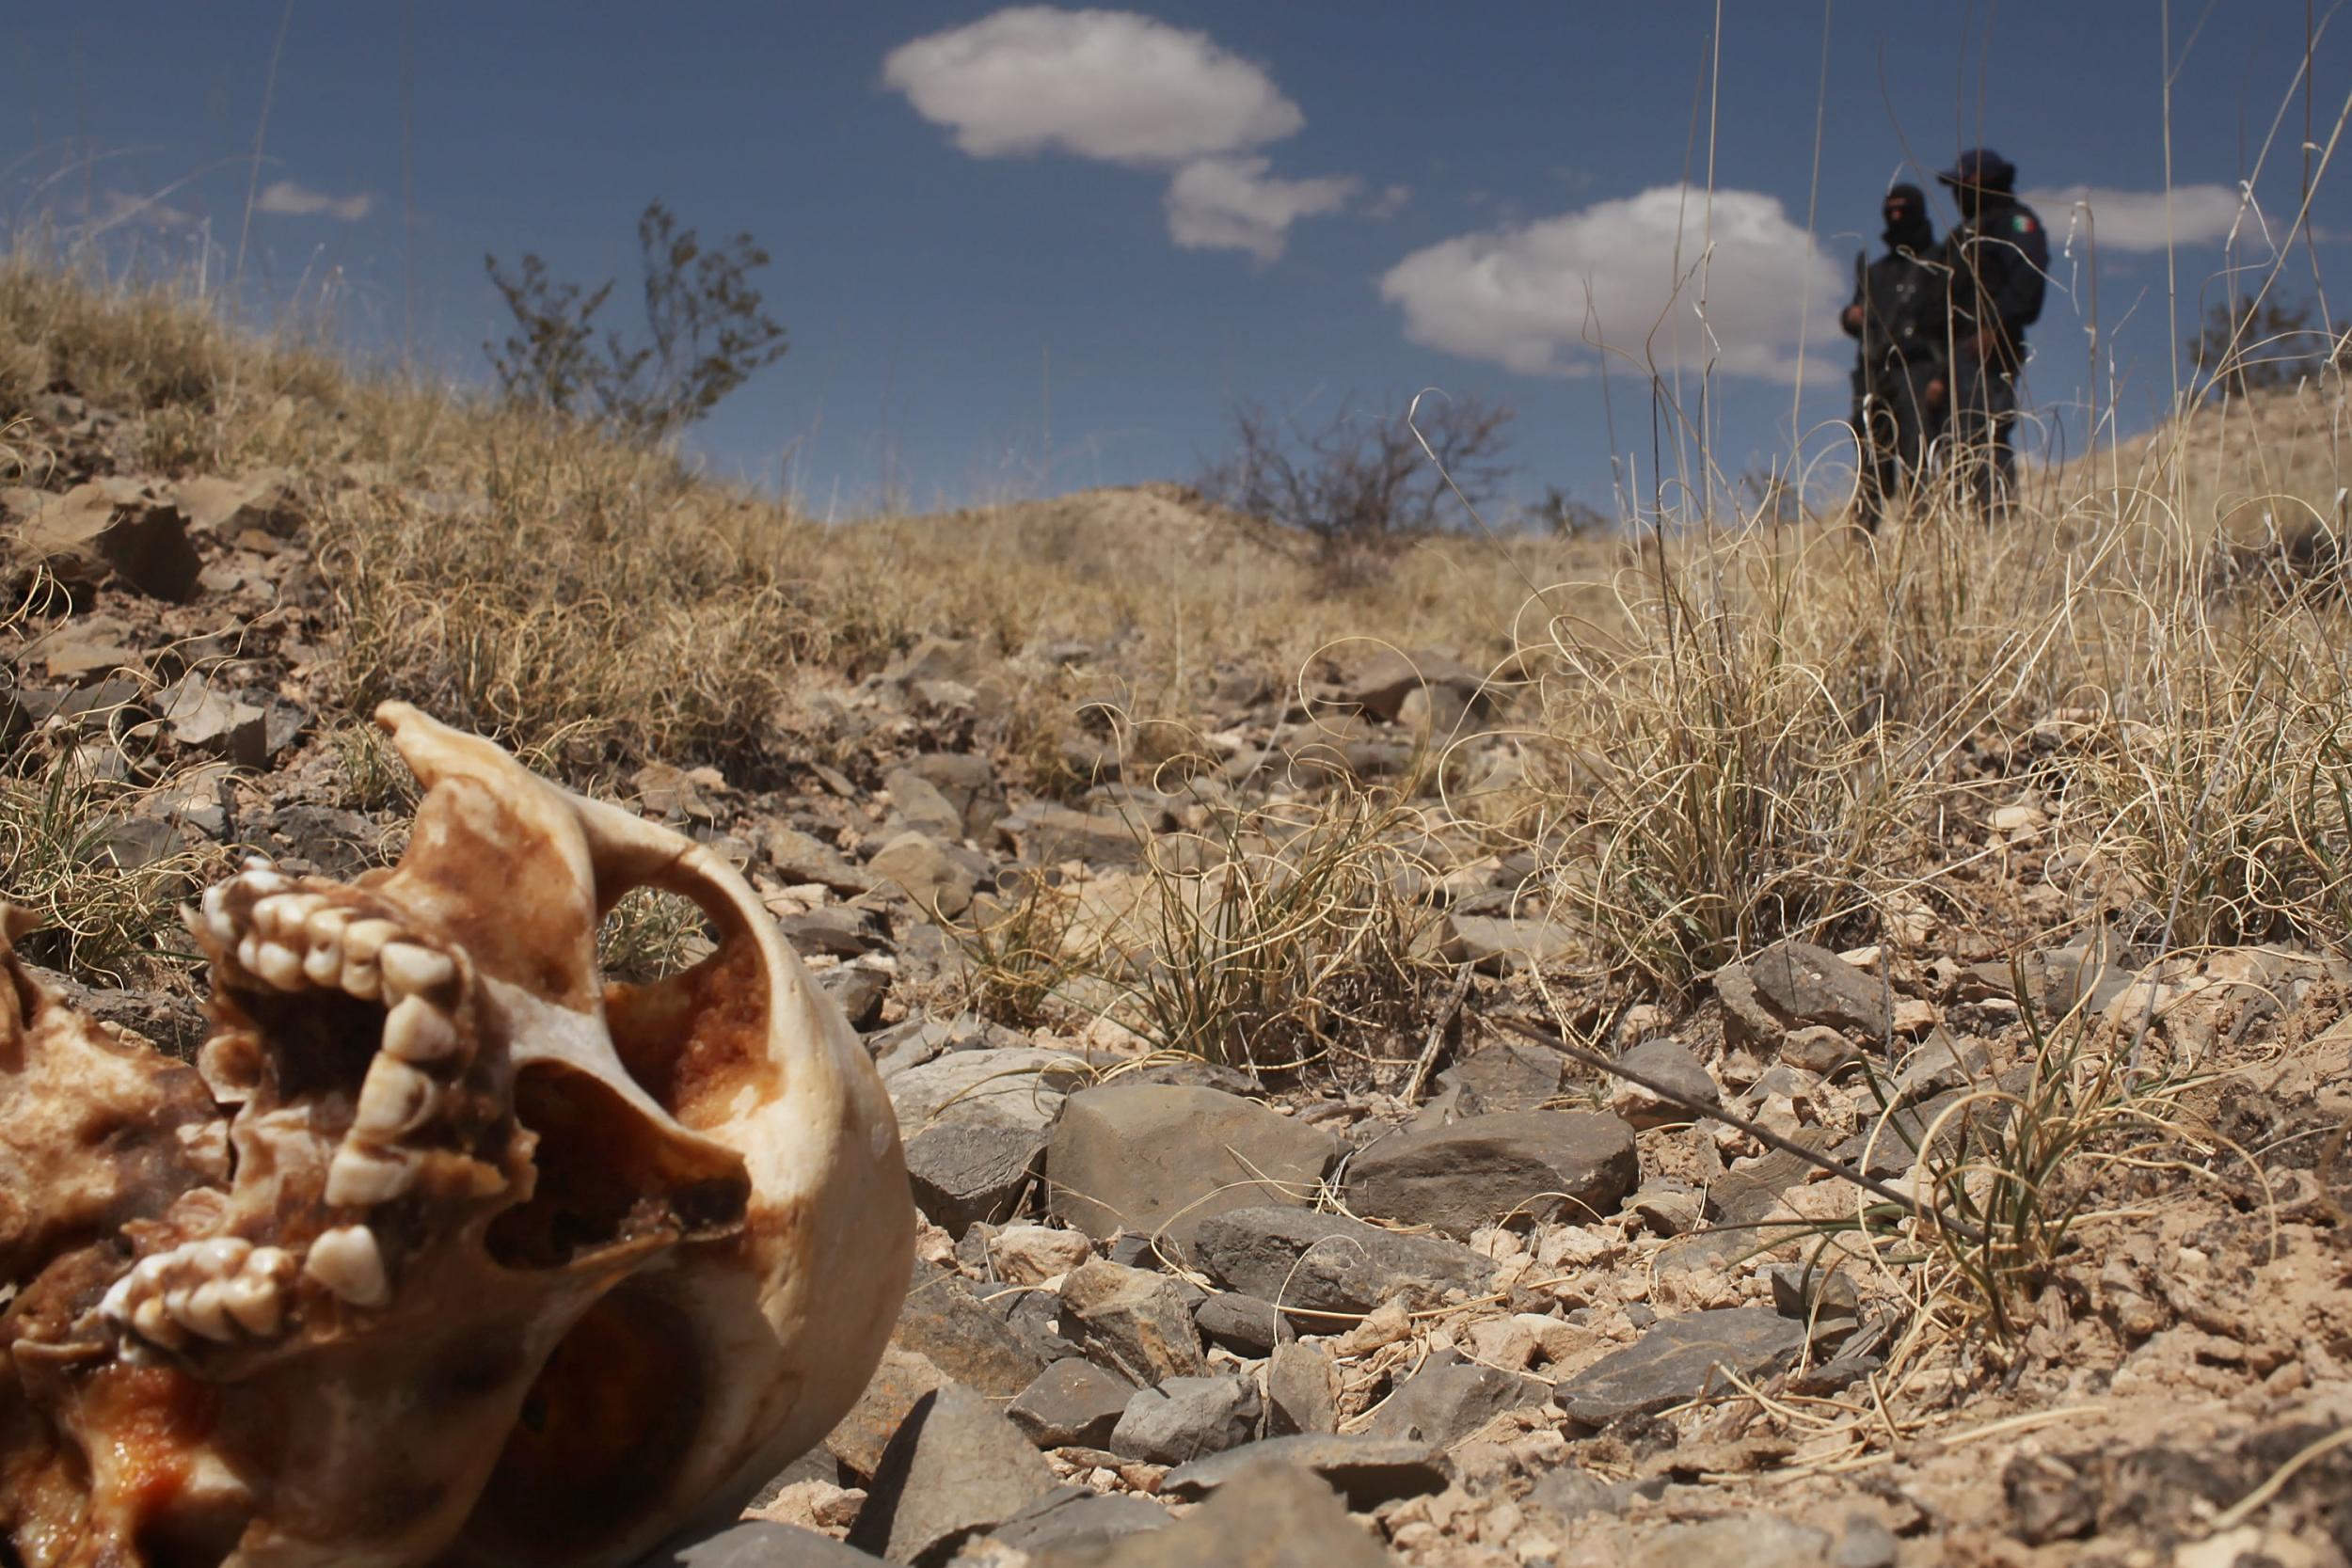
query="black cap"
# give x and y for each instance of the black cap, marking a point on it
(1982, 168)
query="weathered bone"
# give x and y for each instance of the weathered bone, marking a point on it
(448, 1250)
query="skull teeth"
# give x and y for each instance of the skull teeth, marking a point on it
(348, 1261)
(359, 1177)
(394, 1100)
(410, 970)
(221, 1290)
(416, 1031)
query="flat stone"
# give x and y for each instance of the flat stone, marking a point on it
(1495, 942)
(759, 1544)
(1045, 835)
(1365, 1469)
(1072, 1401)
(1526, 1165)
(1442, 1405)
(1184, 1418)
(1792, 984)
(1018, 1084)
(858, 990)
(964, 1336)
(930, 876)
(106, 529)
(1318, 1262)
(800, 857)
(956, 1468)
(1303, 1390)
(1391, 675)
(1515, 1075)
(1750, 1540)
(1240, 1323)
(1670, 1063)
(1134, 1321)
(1032, 1254)
(834, 932)
(1272, 1516)
(968, 1168)
(857, 1440)
(1164, 1158)
(968, 782)
(1678, 1360)
(1072, 1519)
(920, 805)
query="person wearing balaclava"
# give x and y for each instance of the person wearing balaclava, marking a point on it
(1899, 380)
(1999, 257)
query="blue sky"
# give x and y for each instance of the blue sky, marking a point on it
(1022, 251)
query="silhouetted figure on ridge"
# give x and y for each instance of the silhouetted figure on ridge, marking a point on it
(1899, 386)
(1998, 258)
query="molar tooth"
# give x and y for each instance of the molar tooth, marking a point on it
(263, 881)
(348, 1261)
(361, 981)
(249, 952)
(155, 1323)
(231, 1064)
(256, 1301)
(395, 1099)
(283, 915)
(218, 923)
(410, 970)
(278, 964)
(364, 939)
(220, 1256)
(360, 1178)
(200, 1309)
(416, 1031)
(323, 966)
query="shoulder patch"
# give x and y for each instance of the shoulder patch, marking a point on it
(2022, 222)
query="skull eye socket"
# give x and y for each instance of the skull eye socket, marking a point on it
(651, 935)
(606, 1178)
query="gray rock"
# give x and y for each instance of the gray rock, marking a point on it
(857, 1441)
(759, 1543)
(1382, 687)
(836, 930)
(1668, 1063)
(1442, 1405)
(1185, 1417)
(1512, 1076)
(1818, 1048)
(1133, 1320)
(1495, 943)
(1529, 1165)
(1677, 1360)
(1073, 1519)
(1045, 835)
(1157, 1157)
(1240, 1323)
(956, 1468)
(800, 858)
(1272, 1516)
(1303, 1390)
(965, 1337)
(1940, 1066)
(924, 1039)
(857, 989)
(968, 782)
(920, 805)
(1791, 984)
(1864, 1542)
(966, 1168)
(1750, 1539)
(111, 527)
(929, 875)
(1072, 1401)
(1365, 1469)
(1022, 1085)
(1318, 1262)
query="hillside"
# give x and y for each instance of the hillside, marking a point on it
(1235, 939)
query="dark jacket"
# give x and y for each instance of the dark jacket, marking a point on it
(1998, 260)
(1901, 297)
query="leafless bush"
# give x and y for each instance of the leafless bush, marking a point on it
(1364, 478)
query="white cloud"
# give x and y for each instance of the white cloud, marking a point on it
(117, 208)
(1106, 84)
(1519, 296)
(1231, 204)
(1390, 202)
(2135, 220)
(288, 199)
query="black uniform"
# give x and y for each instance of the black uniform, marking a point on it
(1999, 257)
(1898, 313)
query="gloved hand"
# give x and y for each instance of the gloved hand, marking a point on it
(1850, 319)
(1933, 396)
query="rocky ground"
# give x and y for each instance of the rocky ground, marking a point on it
(1484, 1305)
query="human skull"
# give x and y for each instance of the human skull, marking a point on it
(448, 1250)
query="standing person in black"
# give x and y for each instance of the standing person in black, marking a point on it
(1999, 256)
(1899, 381)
